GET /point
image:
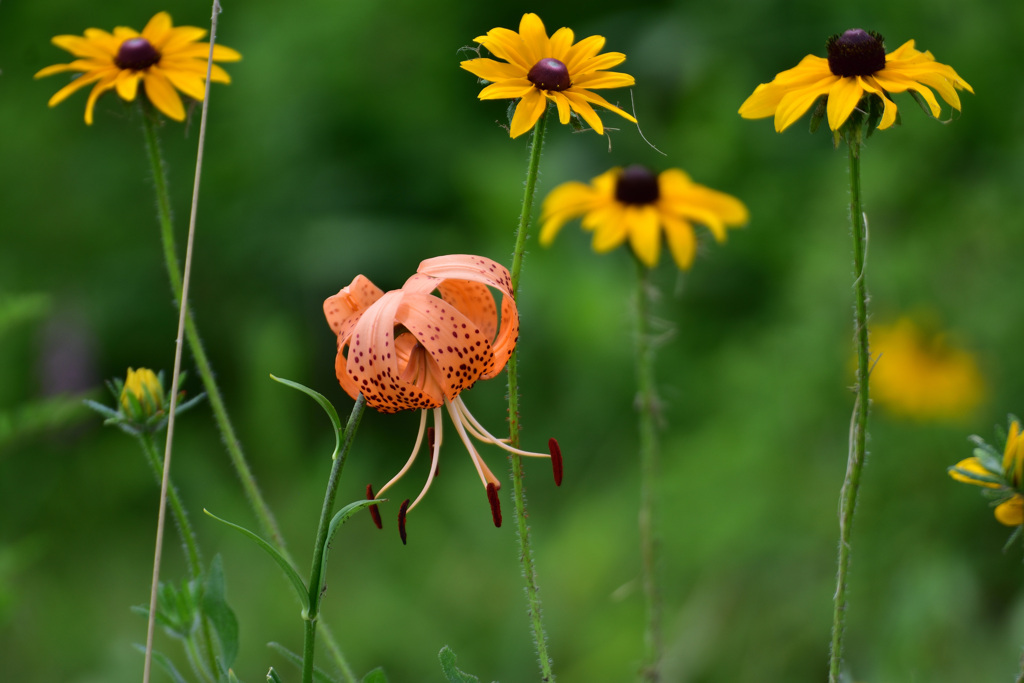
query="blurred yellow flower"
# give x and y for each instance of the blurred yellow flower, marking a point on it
(166, 59)
(856, 66)
(975, 470)
(921, 375)
(538, 69)
(635, 204)
(145, 387)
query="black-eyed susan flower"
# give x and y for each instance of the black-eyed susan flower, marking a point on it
(409, 349)
(164, 58)
(634, 204)
(538, 69)
(922, 375)
(984, 468)
(856, 66)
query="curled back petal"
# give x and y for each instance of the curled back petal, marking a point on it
(372, 363)
(344, 308)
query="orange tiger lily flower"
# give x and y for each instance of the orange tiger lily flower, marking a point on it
(409, 349)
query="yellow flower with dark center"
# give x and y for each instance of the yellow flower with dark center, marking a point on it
(145, 387)
(538, 69)
(164, 58)
(974, 471)
(636, 205)
(856, 66)
(921, 375)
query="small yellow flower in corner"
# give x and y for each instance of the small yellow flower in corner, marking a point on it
(538, 69)
(922, 375)
(143, 393)
(164, 58)
(984, 469)
(857, 65)
(636, 205)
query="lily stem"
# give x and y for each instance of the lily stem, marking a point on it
(859, 421)
(320, 547)
(266, 518)
(519, 494)
(647, 407)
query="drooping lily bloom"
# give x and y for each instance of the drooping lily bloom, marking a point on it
(409, 349)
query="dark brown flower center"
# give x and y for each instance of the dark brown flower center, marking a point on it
(136, 54)
(637, 185)
(550, 74)
(856, 53)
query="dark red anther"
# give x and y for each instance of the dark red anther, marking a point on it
(430, 449)
(556, 460)
(374, 512)
(136, 54)
(492, 498)
(401, 519)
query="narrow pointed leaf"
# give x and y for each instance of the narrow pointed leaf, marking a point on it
(340, 517)
(293, 576)
(162, 659)
(318, 674)
(220, 614)
(272, 676)
(324, 403)
(375, 676)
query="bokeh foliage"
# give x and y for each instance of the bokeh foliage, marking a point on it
(350, 142)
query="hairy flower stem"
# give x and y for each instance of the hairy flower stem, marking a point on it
(519, 494)
(647, 407)
(188, 537)
(263, 513)
(320, 547)
(266, 518)
(859, 421)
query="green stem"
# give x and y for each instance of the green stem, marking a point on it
(859, 423)
(234, 447)
(320, 547)
(519, 494)
(188, 536)
(647, 406)
(263, 513)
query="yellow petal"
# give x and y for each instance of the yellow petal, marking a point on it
(594, 98)
(512, 88)
(528, 111)
(610, 227)
(103, 85)
(842, 100)
(605, 79)
(535, 38)
(682, 241)
(564, 108)
(507, 45)
(1011, 512)
(565, 202)
(561, 41)
(644, 235)
(599, 62)
(84, 47)
(582, 51)
(158, 30)
(491, 70)
(972, 465)
(580, 105)
(127, 84)
(75, 85)
(192, 85)
(163, 95)
(182, 36)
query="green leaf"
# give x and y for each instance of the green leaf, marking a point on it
(324, 403)
(164, 662)
(216, 609)
(375, 676)
(293, 576)
(318, 674)
(340, 517)
(272, 676)
(452, 672)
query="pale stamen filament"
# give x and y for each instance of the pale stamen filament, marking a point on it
(479, 432)
(435, 456)
(412, 458)
(486, 476)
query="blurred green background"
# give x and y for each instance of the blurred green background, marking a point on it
(350, 142)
